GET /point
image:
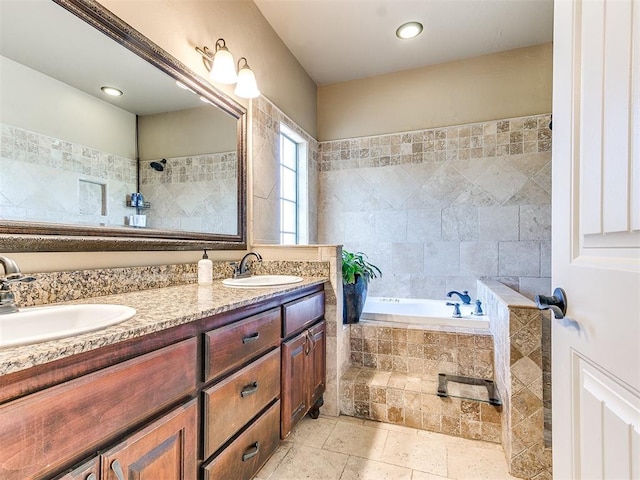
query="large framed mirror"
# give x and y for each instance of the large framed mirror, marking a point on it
(161, 167)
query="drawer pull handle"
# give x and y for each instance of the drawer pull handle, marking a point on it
(249, 389)
(251, 452)
(251, 338)
(92, 476)
(117, 469)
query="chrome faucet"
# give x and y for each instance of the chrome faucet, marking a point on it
(464, 296)
(241, 270)
(12, 274)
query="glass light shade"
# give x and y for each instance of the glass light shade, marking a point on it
(246, 86)
(223, 69)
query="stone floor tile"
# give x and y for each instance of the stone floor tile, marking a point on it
(365, 469)
(312, 433)
(418, 475)
(390, 426)
(303, 462)
(472, 463)
(357, 440)
(268, 468)
(415, 452)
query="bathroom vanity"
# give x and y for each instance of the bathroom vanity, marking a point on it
(205, 397)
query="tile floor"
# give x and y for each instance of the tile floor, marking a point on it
(346, 448)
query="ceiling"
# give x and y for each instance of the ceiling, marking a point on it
(341, 40)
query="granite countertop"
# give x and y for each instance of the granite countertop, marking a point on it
(156, 309)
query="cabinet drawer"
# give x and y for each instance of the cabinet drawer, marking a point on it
(62, 424)
(243, 458)
(230, 346)
(301, 313)
(230, 404)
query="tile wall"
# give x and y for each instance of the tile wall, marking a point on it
(265, 149)
(196, 193)
(45, 179)
(394, 379)
(436, 209)
(522, 375)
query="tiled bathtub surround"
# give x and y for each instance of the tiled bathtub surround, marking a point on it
(265, 127)
(394, 378)
(437, 209)
(196, 193)
(522, 367)
(82, 185)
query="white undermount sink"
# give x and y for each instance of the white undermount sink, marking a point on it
(257, 281)
(40, 324)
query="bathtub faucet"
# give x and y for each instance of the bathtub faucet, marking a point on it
(464, 296)
(456, 309)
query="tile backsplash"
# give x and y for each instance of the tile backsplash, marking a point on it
(437, 209)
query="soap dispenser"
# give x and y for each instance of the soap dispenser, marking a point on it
(205, 270)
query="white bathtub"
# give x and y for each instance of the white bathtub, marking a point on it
(421, 312)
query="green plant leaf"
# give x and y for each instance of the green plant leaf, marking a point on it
(355, 265)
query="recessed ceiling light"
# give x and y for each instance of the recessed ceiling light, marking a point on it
(409, 30)
(114, 92)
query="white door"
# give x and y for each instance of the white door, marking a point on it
(596, 239)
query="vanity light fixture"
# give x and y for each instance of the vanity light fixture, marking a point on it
(112, 91)
(222, 69)
(409, 30)
(246, 86)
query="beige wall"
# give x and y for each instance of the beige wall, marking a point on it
(194, 131)
(502, 85)
(39, 103)
(180, 26)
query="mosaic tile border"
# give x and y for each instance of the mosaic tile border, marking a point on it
(487, 139)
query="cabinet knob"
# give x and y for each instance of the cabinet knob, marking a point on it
(251, 452)
(117, 469)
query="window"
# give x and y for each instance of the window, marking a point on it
(293, 188)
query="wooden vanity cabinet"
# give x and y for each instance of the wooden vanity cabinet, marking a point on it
(166, 449)
(42, 432)
(206, 399)
(303, 360)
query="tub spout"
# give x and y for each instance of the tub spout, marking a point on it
(464, 296)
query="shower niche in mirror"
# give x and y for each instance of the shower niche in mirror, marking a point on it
(72, 157)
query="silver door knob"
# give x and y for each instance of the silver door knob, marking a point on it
(557, 303)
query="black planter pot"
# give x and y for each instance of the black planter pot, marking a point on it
(354, 295)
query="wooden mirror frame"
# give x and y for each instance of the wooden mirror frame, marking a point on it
(23, 236)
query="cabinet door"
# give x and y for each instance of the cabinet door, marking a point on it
(316, 362)
(294, 393)
(87, 471)
(166, 449)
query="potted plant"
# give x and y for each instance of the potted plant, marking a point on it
(356, 273)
